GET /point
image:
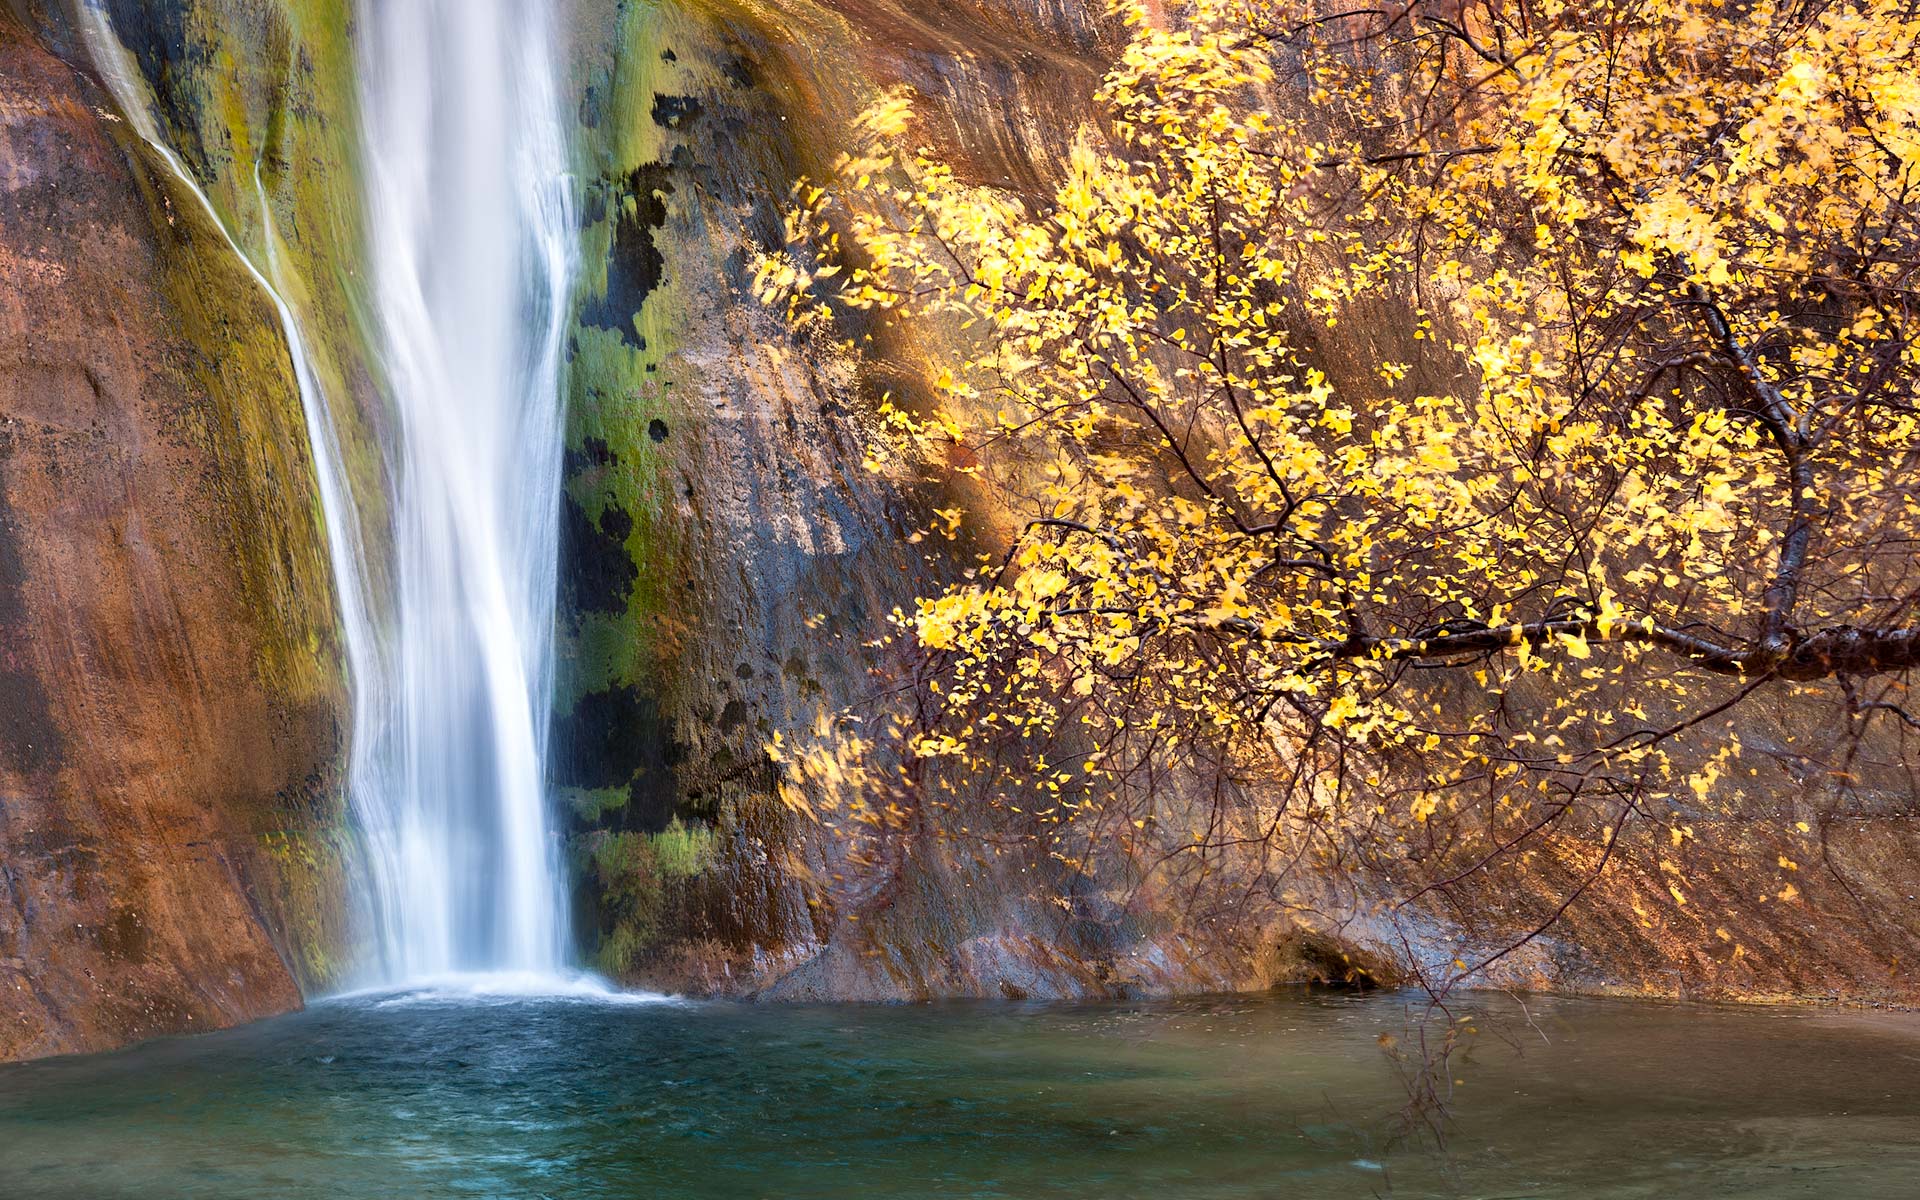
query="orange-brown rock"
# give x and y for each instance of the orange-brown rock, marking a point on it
(170, 723)
(729, 570)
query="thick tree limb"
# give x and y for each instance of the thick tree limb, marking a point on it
(1838, 650)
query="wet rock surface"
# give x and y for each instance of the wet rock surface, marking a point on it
(766, 557)
(766, 554)
(171, 718)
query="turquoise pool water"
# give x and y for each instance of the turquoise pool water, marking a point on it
(456, 1094)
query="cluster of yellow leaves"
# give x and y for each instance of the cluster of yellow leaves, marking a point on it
(1350, 338)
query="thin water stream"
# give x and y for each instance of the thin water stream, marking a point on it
(434, 1094)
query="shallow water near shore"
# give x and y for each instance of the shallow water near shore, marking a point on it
(495, 1092)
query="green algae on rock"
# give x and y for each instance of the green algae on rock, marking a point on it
(173, 810)
(729, 555)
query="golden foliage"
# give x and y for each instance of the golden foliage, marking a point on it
(1641, 443)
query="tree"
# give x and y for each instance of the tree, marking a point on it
(1422, 426)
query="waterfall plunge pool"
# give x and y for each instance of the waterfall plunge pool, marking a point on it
(482, 1093)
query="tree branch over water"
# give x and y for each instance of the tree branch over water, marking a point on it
(1390, 407)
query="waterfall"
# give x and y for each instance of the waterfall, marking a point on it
(470, 256)
(472, 229)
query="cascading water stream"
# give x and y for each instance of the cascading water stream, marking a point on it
(472, 226)
(346, 548)
(472, 231)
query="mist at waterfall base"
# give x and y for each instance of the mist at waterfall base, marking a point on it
(429, 1095)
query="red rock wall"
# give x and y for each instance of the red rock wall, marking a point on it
(169, 723)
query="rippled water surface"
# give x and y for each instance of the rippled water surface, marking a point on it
(432, 1094)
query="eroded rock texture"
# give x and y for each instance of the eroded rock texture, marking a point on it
(729, 554)
(170, 701)
(729, 558)
(170, 705)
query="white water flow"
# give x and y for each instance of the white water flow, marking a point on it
(472, 227)
(345, 546)
(472, 224)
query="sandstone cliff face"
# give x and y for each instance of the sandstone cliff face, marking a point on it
(170, 705)
(1797, 878)
(728, 558)
(171, 710)
(728, 554)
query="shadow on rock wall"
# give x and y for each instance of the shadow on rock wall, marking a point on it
(729, 555)
(730, 560)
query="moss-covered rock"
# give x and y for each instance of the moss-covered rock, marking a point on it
(172, 721)
(728, 555)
